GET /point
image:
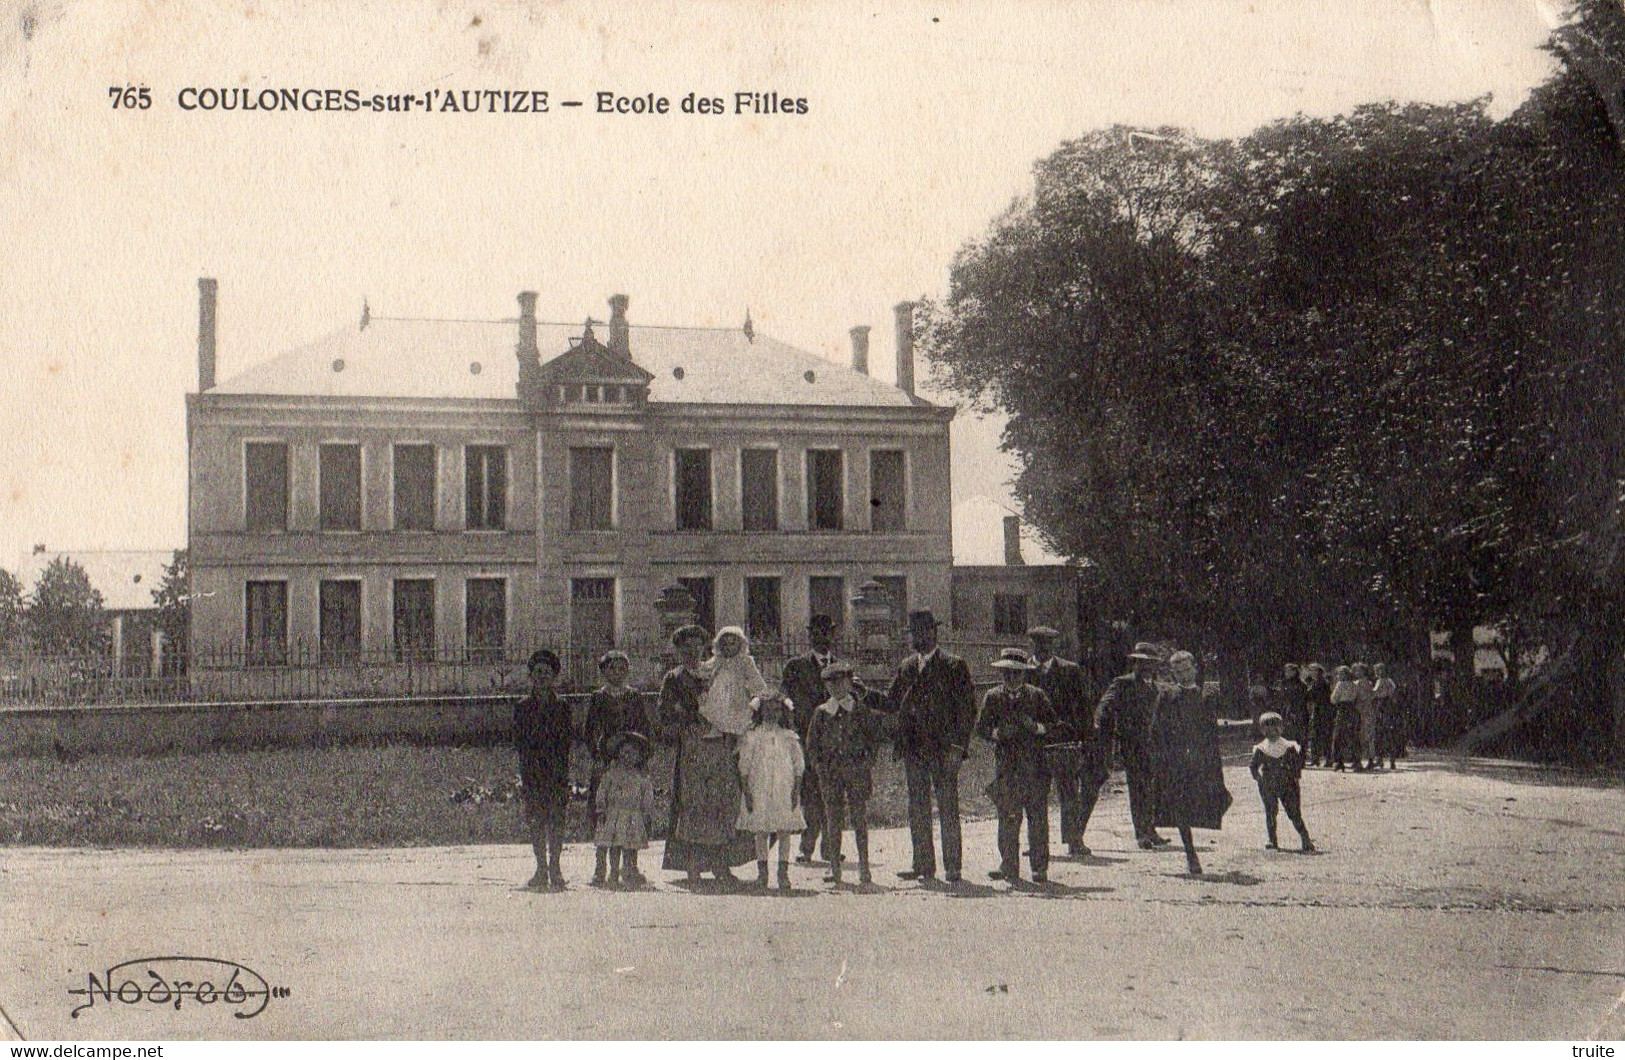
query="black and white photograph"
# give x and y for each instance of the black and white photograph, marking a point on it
(738, 520)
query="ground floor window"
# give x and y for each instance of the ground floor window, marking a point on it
(704, 591)
(266, 635)
(826, 595)
(486, 619)
(339, 621)
(1010, 614)
(592, 614)
(414, 619)
(762, 618)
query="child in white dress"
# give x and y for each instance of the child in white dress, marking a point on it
(625, 801)
(770, 767)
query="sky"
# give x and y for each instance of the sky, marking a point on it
(922, 124)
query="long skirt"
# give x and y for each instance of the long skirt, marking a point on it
(704, 807)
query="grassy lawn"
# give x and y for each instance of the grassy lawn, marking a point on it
(394, 795)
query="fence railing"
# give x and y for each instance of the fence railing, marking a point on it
(306, 672)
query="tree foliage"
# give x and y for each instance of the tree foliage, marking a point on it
(173, 598)
(1323, 387)
(65, 611)
(11, 609)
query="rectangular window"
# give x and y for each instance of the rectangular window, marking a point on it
(486, 619)
(825, 497)
(705, 600)
(759, 488)
(1010, 614)
(896, 587)
(887, 501)
(827, 596)
(592, 614)
(693, 480)
(265, 477)
(414, 487)
(414, 619)
(762, 619)
(592, 489)
(266, 633)
(339, 621)
(486, 478)
(341, 487)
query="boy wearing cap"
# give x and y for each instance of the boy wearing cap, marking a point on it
(541, 735)
(934, 702)
(1018, 719)
(1277, 766)
(841, 742)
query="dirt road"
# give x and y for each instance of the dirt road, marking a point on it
(1447, 903)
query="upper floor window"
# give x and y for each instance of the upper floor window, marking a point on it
(693, 487)
(414, 487)
(759, 488)
(265, 485)
(341, 487)
(486, 482)
(887, 500)
(826, 500)
(592, 489)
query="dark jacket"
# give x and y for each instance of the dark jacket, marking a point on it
(1125, 713)
(844, 740)
(541, 735)
(935, 704)
(803, 682)
(609, 714)
(1018, 756)
(1064, 683)
(1190, 787)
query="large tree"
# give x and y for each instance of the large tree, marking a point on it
(65, 611)
(11, 609)
(1325, 387)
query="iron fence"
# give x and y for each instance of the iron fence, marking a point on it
(309, 672)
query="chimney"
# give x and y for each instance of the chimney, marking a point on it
(530, 358)
(620, 340)
(207, 289)
(905, 347)
(860, 349)
(1012, 541)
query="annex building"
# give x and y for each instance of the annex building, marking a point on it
(413, 486)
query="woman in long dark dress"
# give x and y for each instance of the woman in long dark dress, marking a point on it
(705, 779)
(1190, 791)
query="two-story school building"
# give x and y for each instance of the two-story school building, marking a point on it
(413, 486)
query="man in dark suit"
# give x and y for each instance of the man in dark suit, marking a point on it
(935, 706)
(803, 683)
(1126, 712)
(1077, 775)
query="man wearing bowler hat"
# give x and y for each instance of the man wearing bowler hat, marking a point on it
(935, 705)
(1080, 769)
(1126, 712)
(803, 683)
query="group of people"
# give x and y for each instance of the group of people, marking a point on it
(1349, 718)
(757, 765)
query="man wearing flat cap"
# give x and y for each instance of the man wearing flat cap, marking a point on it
(1079, 772)
(935, 705)
(803, 684)
(1019, 721)
(1125, 713)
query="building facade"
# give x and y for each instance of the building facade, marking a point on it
(412, 487)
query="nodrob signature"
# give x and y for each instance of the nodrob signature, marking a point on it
(178, 981)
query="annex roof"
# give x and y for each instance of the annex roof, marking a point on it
(395, 357)
(125, 579)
